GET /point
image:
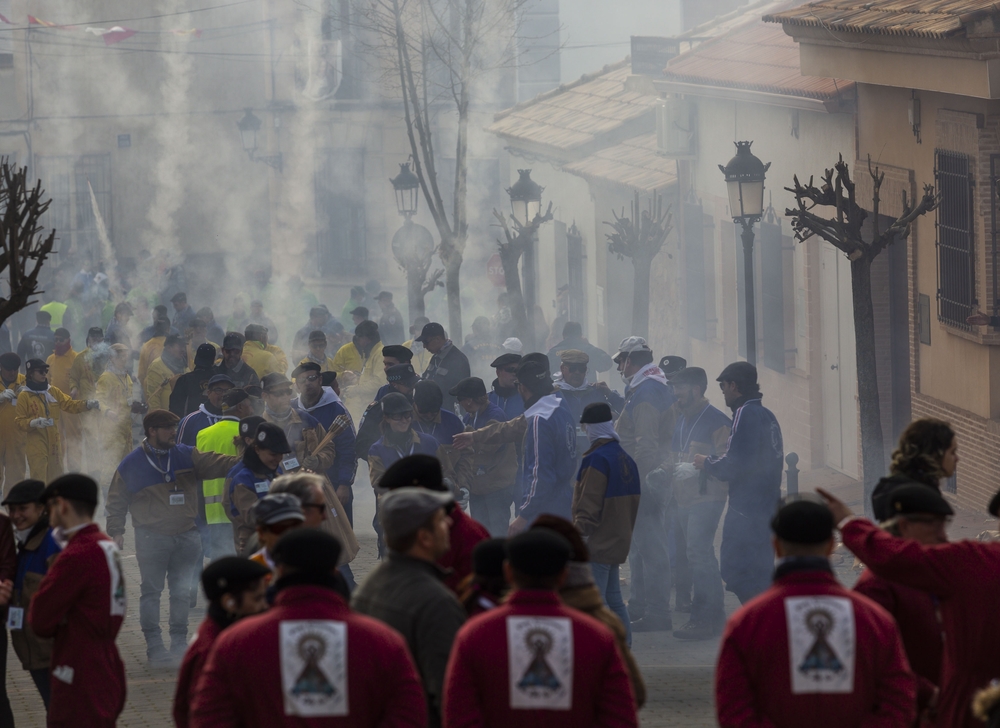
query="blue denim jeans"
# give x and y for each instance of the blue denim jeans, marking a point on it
(170, 560)
(699, 523)
(493, 510)
(608, 583)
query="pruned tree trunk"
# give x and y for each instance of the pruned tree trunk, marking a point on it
(872, 444)
(453, 290)
(515, 296)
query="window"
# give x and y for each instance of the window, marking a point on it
(338, 32)
(341, 245)
(68, 181)
(955, 221)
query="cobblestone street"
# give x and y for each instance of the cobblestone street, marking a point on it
(678, 674)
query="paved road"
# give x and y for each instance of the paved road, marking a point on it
(678, 674)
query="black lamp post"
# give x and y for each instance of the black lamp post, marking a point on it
(745, 182)
(249, 125)
(526, 205)
(407, 188)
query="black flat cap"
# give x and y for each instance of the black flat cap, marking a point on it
(317, 336)
(427, 396)
(273, 380)
(230, 575)
(693, 376)
(308, 550)
(271, 437)
(803, 521)
(95, 332)
(538, 552)
(306, 366)
(505, 360)
(10, 361)
(395, 403)
(469, 387)
(233, 340)
(234, 396)
(74, 486)
(159, 418)
(328, 378)
(741, 372)
(360, 311)
(204, 355)
(430, 331)
(398, 352)
(916, 498)
(35, 365)
(596, 412)
(414, 471)
(27, 491)
(249, 425)
(488, 557)
(401, 374)
(533, 374)
(671, 364)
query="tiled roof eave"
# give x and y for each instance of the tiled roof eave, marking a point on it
(838, 95)
(845, 103)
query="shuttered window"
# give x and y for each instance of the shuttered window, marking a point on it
(955, 240)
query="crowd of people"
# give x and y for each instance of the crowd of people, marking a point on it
(504, 513)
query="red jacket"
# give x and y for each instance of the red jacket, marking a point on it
(963, 575)
(785, 652)
(81, 602)
(292, 658)
(916, 615)
(191, 667)
(563, 670)
(466, 532)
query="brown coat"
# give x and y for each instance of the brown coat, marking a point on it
(486, 468)
(305, 440)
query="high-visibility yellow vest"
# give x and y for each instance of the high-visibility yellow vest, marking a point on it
(56, 309)
(217, 438)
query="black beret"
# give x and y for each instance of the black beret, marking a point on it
(249, 425)
(803, 521)
(917, 498)
(307, 549)
(538, 552)
(596, 412)
(27, 491)
(306, 366)
(159, 418)
(368, 329)
(488, 557)
(74, 486)
(427, 396)
(741, 372)
(35, 365)
(234, 396)
(10, 361)
(328, 378)
(694, 376)
(505, 360)
(414, 471)
(395, 403)
(672, 364)
(229, 575)
(469, 387)
(271, 437)
(401, 373)
(398, 352)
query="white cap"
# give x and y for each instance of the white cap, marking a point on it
(631, 344)
(513, 345)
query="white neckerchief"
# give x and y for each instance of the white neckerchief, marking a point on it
(563, 384)
(48, 395)
(327, 397)
(601, 431)
(650, 372)
(544, 407)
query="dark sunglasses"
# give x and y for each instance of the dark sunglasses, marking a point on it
(400, 418)
(310, 378)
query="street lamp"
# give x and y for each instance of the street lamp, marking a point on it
(407, 186)
(745, 182)
(525, 198)
(249, 125)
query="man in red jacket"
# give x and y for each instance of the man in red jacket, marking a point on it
(309, 660)
(81, 603)
(919, 513)
(533, 662)
(963, 576)
(235, 588)
(808, 651)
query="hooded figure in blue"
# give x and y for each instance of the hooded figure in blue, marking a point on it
(752, 466)
(548, 466)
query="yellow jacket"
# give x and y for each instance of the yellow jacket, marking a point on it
(347, 359)
(159, 384)
(59, 368)
(326, 366)
(260, 359)
(280, 357)
(420, 358)
(148, 353)
(32, 405)
(82, 376)
(114, 392)
(8, 430)
(372, 377)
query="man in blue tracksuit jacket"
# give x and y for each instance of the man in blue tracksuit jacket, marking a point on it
(752, 466)
(548, 467)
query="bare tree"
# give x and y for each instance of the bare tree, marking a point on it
(23, 245)
(440, 51)
(512, 249)
(640, 241)
(846, 232)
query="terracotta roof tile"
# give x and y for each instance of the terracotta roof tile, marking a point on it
(634, 164)
(920, 18)
(756, 57)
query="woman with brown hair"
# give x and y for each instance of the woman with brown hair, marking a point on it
(927, 452)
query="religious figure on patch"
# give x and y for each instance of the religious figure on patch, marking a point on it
(821, 656)
(539, 674)
(312, 680)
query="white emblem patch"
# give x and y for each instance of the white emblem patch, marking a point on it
(114, 560)
(540, 658)
(314, 667)
(821, 644)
